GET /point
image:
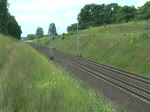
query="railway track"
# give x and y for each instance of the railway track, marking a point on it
(132, 84)
(136, 88)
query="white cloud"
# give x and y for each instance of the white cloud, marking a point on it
(32, 17)
(50, 5)
(141, 2)
(72, 14)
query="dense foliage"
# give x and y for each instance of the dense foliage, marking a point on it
(8, 23)
(93, 15)
(30, 36)
(39, 32)
(52, 29)
(72, 28)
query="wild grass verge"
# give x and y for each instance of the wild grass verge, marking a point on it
(30, 83)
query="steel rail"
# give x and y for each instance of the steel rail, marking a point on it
(141, 93)
(121, 72)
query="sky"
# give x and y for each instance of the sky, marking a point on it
(31, 14)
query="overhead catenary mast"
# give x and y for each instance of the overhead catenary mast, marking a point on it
(79, 50)
(52, 33)
(51, 46)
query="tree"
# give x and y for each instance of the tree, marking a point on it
(93, 15)
(13, 27)
(3, 16)
(97, 15)
(110, 12)
(30, 36)
(144, 11)
(126, 13)
(88, 15)
(39, 32)
(52, 29)
(8, 23)
(72, 28)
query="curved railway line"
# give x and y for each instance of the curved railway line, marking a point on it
(132, 84)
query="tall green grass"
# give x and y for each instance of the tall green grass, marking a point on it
(125, 46)
(5, 48)
(30, 83)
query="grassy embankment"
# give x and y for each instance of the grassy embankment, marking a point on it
(124, 46)
(30, 83)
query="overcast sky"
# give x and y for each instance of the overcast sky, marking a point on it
(33, 13)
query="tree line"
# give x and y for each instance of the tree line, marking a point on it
(8, 23)
(93, 15)
(40, 33)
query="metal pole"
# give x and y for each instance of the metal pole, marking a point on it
(79, 51)
(77, 40)
(36, 41)
(51, 47)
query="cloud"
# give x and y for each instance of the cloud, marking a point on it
(50, 5)
(141, 2)
(32, 17)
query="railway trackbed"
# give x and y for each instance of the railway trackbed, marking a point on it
(135, 85)
(132, 84)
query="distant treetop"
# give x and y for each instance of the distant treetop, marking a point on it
(93, 15)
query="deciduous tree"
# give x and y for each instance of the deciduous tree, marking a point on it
(8, 23)
(30, 36)
(39, 32)
(52, 29)
(72, 28)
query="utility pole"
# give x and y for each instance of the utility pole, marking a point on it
(79, 51)
(51, 46)
(36, 39)
(52, 33)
